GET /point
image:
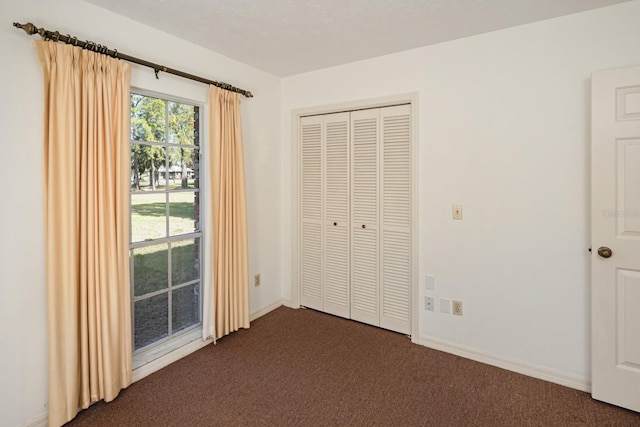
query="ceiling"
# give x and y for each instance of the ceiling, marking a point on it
(286, 37)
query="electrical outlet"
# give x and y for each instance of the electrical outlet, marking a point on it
(457, 308)
(256, 280)
(429, 303)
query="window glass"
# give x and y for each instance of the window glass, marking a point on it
(165, 213)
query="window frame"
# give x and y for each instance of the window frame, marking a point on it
(155, 348)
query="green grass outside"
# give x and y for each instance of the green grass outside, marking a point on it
(150, 270)
(148, 215)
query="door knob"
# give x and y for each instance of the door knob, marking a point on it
(605, 252)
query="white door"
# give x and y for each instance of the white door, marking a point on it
(365, 287)
(395, 219)
(615, 233)
(336, 216)
(311, 208)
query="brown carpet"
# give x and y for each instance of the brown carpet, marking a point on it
(304, 368)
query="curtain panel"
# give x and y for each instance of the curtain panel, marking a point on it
(86, 163)
(226, 305)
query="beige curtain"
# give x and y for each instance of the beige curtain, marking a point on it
(228, 213)
(86, 155)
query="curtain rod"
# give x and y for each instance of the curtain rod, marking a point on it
(55, 36)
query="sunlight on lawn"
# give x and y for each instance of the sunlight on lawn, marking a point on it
(148, 215)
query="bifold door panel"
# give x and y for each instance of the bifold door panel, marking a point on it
(355, 215)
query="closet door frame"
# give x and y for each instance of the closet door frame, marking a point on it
(408, 98)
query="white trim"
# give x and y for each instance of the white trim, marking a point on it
(415, 222)
(295, 238)
(514, 365)
(167, 97)
(159, 363)
(156, 351)
(264, 310)
(206, 294)
(296, 114)
(385, 101)
(288, 303)
(41, 420)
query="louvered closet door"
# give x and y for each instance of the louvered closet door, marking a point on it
(311, 210)
(395, 247)
(336, 225)
(364, 217)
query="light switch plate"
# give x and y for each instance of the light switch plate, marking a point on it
(445, 305)
(429, 283)
(457, 211)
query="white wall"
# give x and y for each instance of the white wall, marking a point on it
(504, 130)
(23, 372)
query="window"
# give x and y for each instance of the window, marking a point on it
(165, 219)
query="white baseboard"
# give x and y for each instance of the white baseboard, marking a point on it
(41, 420)
(519, 366)
(288, 303)
(264, 310)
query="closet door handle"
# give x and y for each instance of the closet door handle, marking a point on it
(364, 226)
(335, 223)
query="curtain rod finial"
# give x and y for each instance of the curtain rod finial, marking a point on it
(249, 94)
(29, 28)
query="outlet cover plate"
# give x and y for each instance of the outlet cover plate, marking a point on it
(429, 303)
(457, 308)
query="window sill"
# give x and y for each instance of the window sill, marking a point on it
(157, 357)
